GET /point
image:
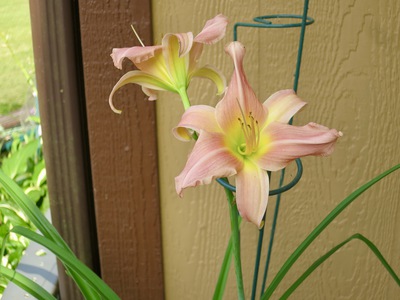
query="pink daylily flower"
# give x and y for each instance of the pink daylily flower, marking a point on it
(171, 65)
(243, 137)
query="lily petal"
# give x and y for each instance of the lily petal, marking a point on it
(289, 142)
(239, 98)
(156, 66)
(175, 48)
(197, 118)
(208, 160)
(214, 75)
(185, 41)
(194, 56)
(282, 106)
(252, 188)
(152, 94)
(138, 77)
(135, 54)
(213, 31)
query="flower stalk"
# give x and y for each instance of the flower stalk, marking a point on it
(184, 97)
(233, 213)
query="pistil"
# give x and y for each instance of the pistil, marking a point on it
(251, 133)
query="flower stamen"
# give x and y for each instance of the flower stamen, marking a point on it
(251, 133)
(137, 36)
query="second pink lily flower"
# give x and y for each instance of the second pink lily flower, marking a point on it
(243, 137)
(171, 65)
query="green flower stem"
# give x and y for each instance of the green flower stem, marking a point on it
(223, 275)
(257, 261)
(258, 253)
(185, 99)
(235, 242)
(186, 105)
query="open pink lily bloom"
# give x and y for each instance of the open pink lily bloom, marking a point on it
(243, 137)
(171, 65)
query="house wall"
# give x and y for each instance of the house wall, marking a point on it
(350, 79)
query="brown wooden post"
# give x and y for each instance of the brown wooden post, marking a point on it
(122, 163)
(123, 152)
(61, 101)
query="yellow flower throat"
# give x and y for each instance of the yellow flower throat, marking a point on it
(251, 134)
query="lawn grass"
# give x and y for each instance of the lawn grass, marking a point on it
(15, 25)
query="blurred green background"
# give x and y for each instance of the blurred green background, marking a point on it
(16, 56)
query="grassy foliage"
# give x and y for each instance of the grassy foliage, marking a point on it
(15, 54)
(24, 163)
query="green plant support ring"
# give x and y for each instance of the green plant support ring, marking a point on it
(280, 190)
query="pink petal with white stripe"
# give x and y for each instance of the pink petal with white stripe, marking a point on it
(290, 142)
(197, 118)
(209, 159)
(282, 106)
(240, 98)
(252, 188)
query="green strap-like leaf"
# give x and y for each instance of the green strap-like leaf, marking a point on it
(30, 209)
(16, 163)
(27, 284)
(320, 260)
(71, 262)
(43, 225)
(313, 235)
